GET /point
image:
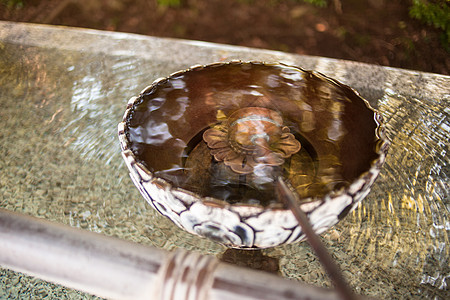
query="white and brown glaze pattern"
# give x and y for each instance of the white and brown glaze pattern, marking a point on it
(238, 225)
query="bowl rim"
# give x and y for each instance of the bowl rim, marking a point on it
(307, 204)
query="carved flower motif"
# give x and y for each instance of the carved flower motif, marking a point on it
(250, 138)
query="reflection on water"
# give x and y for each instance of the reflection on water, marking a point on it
(60, 160)
(252, 119)
(398, 237)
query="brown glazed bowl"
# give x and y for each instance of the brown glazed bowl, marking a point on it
(327, 143)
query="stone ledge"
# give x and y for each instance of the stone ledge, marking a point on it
(371, 81)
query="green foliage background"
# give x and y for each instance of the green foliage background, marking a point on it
(435, 13)
(13, 3)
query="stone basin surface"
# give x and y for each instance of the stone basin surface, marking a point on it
(62, 93)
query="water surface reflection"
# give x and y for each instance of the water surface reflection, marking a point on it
(61, 161)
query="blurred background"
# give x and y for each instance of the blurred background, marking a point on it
(411, 34)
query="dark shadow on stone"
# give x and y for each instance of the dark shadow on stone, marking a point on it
(253, 259)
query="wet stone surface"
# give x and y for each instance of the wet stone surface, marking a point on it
(61, 160)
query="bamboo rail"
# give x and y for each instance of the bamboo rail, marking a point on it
(116, 269)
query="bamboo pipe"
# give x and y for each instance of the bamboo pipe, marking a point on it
(116, 269)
